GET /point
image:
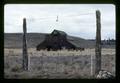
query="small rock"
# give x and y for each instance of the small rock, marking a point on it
(104, 75)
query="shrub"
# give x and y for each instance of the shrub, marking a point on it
(6, 65)
(16, 68)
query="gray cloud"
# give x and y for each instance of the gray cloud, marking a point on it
(75, 19)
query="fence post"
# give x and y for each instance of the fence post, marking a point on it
(98, 43)
(91, 65)
(25, 54)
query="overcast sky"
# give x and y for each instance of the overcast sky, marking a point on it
(75, 19)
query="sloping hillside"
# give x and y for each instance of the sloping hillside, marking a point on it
(14, 40)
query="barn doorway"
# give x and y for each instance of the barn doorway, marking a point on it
(49, 47)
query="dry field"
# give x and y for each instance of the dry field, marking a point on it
(56, 64)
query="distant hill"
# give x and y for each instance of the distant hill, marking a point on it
(107, 43)
(14, 40)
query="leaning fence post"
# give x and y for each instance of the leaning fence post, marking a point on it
(25, 54)
(98, 43)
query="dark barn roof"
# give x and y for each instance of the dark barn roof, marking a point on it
(55, 32)
(56, 40)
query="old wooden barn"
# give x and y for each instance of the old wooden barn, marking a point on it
(57, 40)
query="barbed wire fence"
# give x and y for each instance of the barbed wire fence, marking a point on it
(58, 55)
(86, 52)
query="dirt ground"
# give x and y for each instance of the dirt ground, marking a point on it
(56, 64)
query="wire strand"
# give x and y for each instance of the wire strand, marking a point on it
(55, 17)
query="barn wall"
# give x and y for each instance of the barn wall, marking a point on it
(55, 43)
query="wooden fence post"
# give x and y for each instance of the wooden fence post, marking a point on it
(25, 54)
(98, 43)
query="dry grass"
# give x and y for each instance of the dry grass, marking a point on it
(55, 64)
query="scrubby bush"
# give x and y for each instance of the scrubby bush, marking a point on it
(16, 68)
